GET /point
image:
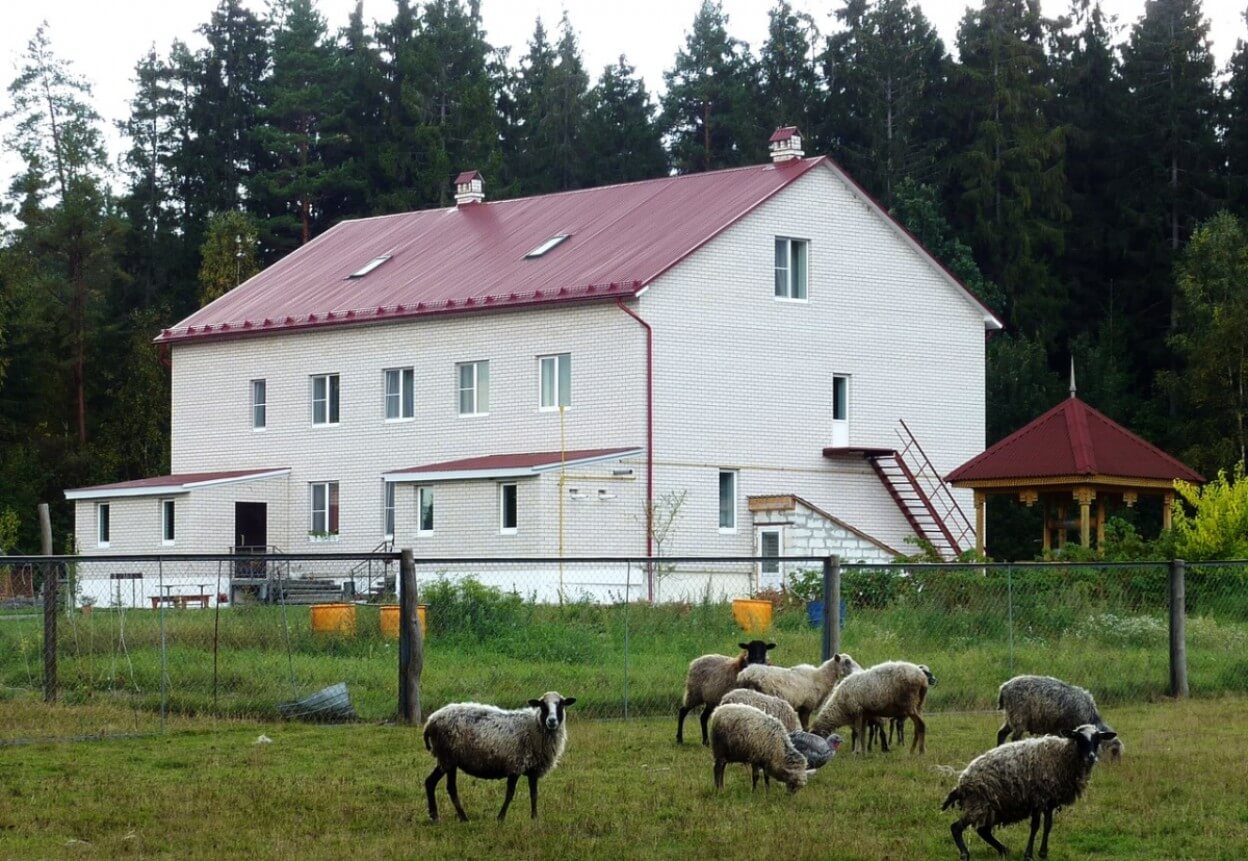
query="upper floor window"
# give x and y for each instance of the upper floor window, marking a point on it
(791, 257)
(424, 510)
(259, 405)
(387, 513)
(508, 509)
(474, 387)
(555, 373)
(727, 500)
(324, 508)
(400, 394)
(102, 524)
(166, 521)
(325, 399)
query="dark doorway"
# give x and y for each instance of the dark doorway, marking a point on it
(251, 526)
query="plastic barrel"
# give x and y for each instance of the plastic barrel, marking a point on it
(389, 620)
(333, 618)
(752, 615)
(814, 613)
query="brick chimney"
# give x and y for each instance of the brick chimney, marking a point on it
(785, 144)
(469, 188)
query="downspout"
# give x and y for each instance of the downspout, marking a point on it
(649, 433)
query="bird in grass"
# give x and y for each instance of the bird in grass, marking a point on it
(816, 748)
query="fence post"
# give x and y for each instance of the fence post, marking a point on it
(411, 642)
(831, 606)
(1178, 628)
(51, 574)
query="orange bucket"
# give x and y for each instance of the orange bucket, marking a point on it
(389, 620)
(333, 618)
(752, 615)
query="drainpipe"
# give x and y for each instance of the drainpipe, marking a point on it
(649, 434)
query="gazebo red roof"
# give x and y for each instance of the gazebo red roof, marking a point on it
(1072, 439)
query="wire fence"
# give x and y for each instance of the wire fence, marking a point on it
(143, 641)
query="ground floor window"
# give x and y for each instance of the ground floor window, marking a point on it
(102, 524)
(424, 510)
(770, 548)
(324, 509)
(166, 521)
(388, 513)
(727, 500)
(507, 508)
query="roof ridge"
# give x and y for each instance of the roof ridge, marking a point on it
(1110, 424)
(1080, 436)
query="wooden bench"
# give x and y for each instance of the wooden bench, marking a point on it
(181, 601)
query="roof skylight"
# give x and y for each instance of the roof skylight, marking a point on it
(369, 266)
(547, 245)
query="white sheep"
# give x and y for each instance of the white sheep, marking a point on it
(896, 726)
(710, 677)
(888, 690)
(492, 743)
(1033, 777)
(742, 733)
(765, 703)
(1043, 705)
(804, 686)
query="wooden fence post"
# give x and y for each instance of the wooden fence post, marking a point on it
(411, 642)
(1178, 628)
(50, 577)
(831, 606)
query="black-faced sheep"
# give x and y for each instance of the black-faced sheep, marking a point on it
(893, 689)
(1026, 778)
(765, 703)
(1043, 705)
(804, 686)
(744, 734)
(492, 743)
(710, 677)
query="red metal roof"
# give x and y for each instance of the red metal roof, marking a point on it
(1073, 439)
(782, 134)
(621, 237)
(468, 176)
(511, 464)
(176, 482)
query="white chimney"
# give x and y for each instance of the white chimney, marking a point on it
(785, 144)
(469, 188)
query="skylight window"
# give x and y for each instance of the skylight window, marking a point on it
(547, 245)
(369, 266)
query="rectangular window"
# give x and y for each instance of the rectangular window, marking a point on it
(102, 530)
(555, 373)
(400, 394)
(324, 505)
(166, 521)
(507, 511)
(325, 392)
(727, 500)
(769, 549)
(474, 387)
(840, 399)
(387, 516)
(259, 405)
(791, 255)
(424, 512)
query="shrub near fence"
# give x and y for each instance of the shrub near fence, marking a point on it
(1102, 626)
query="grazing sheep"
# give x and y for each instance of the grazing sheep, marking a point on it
(1043, 705)
(893, 689)
(817, 749)
(491, 743)
(742, 733)
(896, 726)
(1024, 778)
(766, 704)
(804, 686)
(712, 676)
(1113, 750)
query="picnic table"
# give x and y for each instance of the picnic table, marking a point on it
(182, 600)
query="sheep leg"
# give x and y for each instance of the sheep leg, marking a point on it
(431, 788)
(1031, 838)
(860, 732)
(511, 790)
(680, 725)
(532, 795)
(900, 724)
(878, 726)
(1002, 733)
(453, 791)
(1048, 826)
(706, 716)
(753, 778)
(719, 773)
(985, 831)
(920, 734)
(803, 717)
(957, 828)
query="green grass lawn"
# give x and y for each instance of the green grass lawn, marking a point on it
(624, 790)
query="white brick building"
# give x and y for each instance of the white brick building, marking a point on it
(790, 315)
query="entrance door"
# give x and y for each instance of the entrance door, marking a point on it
(251, 525)
(840, 411)
(770, 548)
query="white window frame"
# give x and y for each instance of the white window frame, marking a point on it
(262, 405)
(387, 509)
(168, 522)
(558, 361)
(325, 534)
(103, 533)
(405, 397)
(779, 533)
(329, 401)
(426, 490)
(476, 388)
(719, 502)
(841, 427)
(503, 529)
(788, 295)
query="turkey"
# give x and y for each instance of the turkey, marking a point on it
(816, 748)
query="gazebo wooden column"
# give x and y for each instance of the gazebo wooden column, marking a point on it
(1085, 496)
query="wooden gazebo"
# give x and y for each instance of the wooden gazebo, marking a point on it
(1072, 455)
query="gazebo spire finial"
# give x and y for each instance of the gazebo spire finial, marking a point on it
(1072, 376)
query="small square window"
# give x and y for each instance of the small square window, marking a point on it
(727, 500)
(167, 520)
(507, 509)
(259, 405)
(103, 526)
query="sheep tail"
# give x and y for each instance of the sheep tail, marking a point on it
(427, 745)
(1000, 700)
(954, 797)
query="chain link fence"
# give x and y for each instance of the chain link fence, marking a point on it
(145, 640)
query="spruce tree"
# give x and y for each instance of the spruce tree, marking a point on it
(622, 140)
(788, 81)
(229, 254)
(354, 131)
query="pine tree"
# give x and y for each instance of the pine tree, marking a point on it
(710, 109)
(789, 83)
(1235, 121)
(229, 254)
(622, 141)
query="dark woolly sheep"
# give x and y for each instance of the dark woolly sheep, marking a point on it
(710, 677)
(1043, 705)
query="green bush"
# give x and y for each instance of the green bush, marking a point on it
(467, 608)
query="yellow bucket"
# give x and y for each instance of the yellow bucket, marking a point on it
(333, 618)
(389, 620)
(752, 615)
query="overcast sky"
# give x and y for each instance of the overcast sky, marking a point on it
(105, 39)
